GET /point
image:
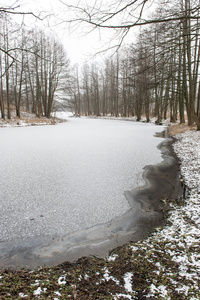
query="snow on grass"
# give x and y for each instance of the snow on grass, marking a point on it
(22, 295)
(173, 251)
(61, 280)
(120, 296)
(180, 240)
(127, 280)
(39, 291)
(112, 257)
(37, 283)
(57, 293)
(108, 277)
(29, 119)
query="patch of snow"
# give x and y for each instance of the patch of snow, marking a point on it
(107, 276)
(37, 283)
(163, 292)
(58, 293)
(134, 248)
(128, 282)
(112, 257)
(126, 296)
(22, 295)
(86, 276)
(152, 291)
(38, 291)
(63, 114)
(80, 277)
(61, 280)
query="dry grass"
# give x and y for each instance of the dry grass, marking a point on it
(51, 121)
(28, 119)
(179, 128)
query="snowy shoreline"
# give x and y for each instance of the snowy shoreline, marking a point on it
(169, 260)
(179, 241)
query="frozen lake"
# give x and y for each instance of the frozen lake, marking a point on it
(56, 180)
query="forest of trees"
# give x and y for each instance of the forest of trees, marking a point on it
(34, 70)
(156, 76)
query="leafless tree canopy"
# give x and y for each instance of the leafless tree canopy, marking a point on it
(127, 14)
(34, 69)
(158, 75)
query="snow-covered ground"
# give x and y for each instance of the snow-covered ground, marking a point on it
(59, 179)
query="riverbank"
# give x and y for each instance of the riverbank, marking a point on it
(28, 119)
(164, 266)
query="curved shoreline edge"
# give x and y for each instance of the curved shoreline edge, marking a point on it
(147, 212)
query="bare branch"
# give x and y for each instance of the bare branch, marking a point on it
(12, 11)
(99, 19)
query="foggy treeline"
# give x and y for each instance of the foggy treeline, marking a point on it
(156, 76)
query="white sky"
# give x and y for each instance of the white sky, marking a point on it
(79, 44)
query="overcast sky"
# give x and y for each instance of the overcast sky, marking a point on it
(79, 44)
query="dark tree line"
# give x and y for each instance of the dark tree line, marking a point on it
(34, 70)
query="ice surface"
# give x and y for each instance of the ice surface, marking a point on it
(59, 179)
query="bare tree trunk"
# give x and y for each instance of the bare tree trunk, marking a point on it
(1, 93)
(7, 73)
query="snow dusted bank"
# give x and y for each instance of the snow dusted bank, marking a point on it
(174, 251)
